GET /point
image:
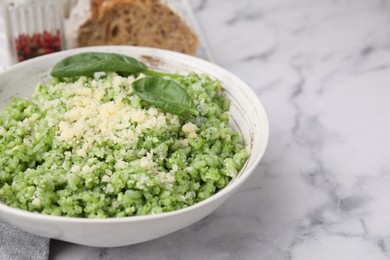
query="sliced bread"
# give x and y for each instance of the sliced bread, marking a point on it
(139, 23)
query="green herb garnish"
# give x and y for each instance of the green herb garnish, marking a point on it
(86, 64)
(162, 93)
(165, 94)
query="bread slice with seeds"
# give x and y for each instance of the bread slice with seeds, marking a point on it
(136, 22)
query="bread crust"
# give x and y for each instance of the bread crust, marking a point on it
(137, 22)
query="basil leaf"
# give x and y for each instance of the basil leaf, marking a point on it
(86, 64)
(165, 94)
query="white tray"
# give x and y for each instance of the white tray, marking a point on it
(4, 56)
(183, 7)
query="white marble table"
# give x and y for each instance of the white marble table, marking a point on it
(322, 69)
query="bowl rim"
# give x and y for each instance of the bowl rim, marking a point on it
(234, 183)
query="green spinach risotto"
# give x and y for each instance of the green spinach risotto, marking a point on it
(88, 146)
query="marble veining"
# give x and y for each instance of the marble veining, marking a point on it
(322, 70)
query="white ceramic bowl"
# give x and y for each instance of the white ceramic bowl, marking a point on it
(247, 115)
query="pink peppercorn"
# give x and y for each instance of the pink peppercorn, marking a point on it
(30, 46)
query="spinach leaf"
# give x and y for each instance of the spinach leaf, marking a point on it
(86, 64)
(165, 94)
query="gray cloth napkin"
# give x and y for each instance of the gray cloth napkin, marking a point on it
(18, 245)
